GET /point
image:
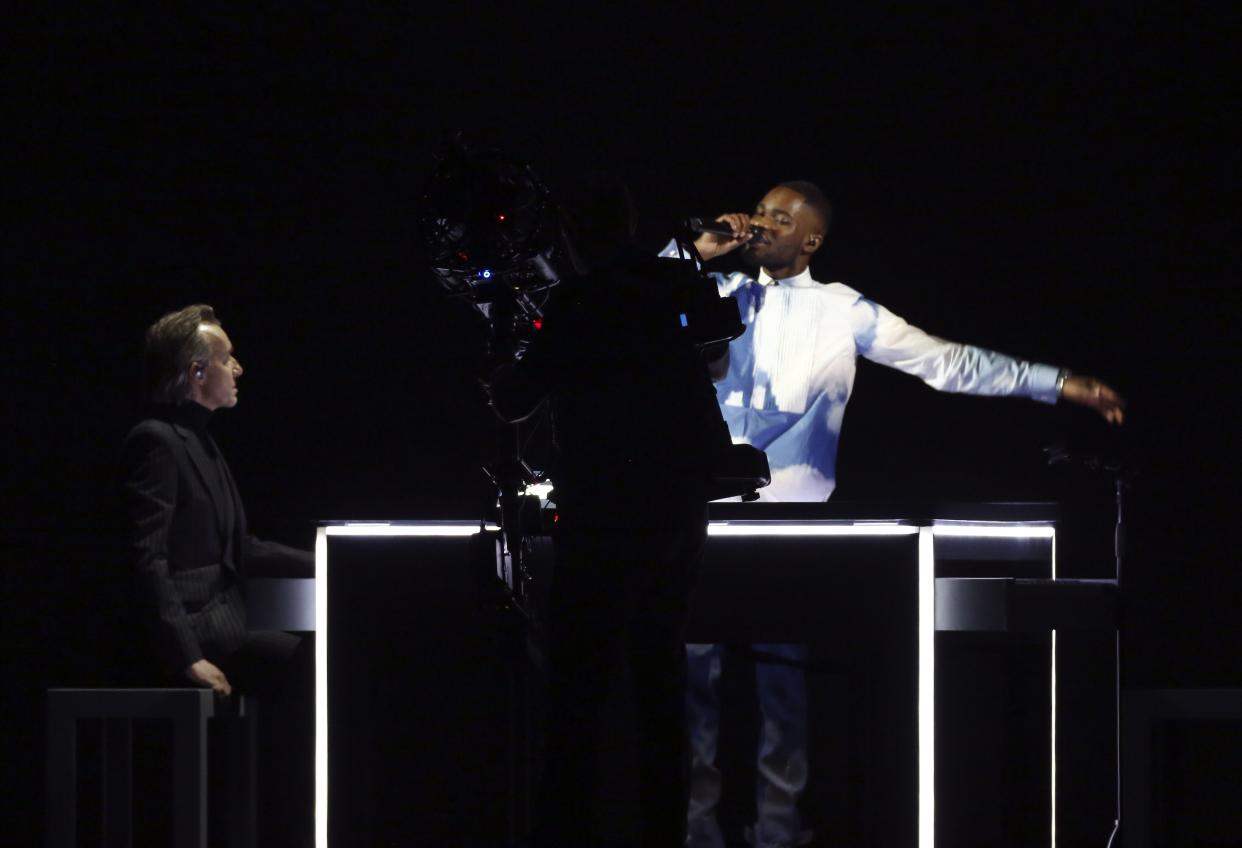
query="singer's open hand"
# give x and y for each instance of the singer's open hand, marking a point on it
(710, 245)
(1094, 394)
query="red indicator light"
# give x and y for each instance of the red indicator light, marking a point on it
(501, 217)
(463, 256)
(537, 323)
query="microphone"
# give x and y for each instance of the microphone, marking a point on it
(716, 228)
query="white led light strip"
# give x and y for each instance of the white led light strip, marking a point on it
(751, 529)
(996, 531)
(1053, 714)
(321, 687)
(926, 629)
(927, 688)
(448, 528)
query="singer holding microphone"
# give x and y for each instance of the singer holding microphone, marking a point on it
(788, 380)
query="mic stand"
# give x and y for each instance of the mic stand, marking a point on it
(511, 596)
(507, 583)
(1119, 487)
(1057, 454)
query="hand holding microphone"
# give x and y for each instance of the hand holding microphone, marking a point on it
(726, 233)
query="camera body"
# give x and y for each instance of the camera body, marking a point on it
(492, 232)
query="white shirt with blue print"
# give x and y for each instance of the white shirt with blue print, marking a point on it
(791, 372)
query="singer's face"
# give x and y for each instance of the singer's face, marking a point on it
(218, 385)
(783, 224)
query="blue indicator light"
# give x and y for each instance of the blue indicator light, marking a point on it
(684, 322)
(485, 274)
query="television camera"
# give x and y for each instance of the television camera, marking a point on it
(494, 237)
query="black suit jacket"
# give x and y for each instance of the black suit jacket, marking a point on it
(189, 545)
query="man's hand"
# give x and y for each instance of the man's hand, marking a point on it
(710, 245)
(207, 674)
(1090, 392)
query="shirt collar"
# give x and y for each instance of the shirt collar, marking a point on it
(798, 281)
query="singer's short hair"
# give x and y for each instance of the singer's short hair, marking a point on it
(815, 198)
(172, 343)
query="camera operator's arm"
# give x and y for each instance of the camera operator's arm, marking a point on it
(717, 358)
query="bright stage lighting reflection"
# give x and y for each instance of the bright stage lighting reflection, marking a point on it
(926, 626)
(927, 688)
(860, 529)
(447, 528)
(996, 531)
(321, 688)
(539, 490)
(359, 529)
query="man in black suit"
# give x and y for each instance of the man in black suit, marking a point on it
(191, 552)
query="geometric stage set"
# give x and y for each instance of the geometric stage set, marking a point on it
(427, 680)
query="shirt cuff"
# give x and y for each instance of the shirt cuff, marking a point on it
(1042, 382)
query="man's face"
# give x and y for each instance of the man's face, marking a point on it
(788, 231)
(217, 385)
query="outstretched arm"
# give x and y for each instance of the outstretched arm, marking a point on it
(948, 366)
(1093, 394)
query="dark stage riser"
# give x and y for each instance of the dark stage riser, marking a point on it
(432, 691)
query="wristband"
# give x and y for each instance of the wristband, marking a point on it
(1062, 376)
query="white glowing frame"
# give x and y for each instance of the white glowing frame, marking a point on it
(379, 528)
(926, 629)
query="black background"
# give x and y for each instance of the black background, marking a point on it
(1057, 184)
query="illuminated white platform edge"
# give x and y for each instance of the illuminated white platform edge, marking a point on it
(928, 532)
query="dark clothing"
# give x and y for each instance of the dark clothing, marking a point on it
(188, 538)
(636, 427)
(191, 554)
(618, 594)
(636, 434)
